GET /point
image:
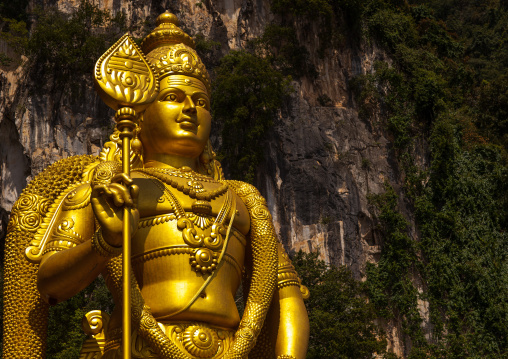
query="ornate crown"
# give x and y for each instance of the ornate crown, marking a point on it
(171, 51)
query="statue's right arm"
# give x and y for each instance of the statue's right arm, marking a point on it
(72, 261)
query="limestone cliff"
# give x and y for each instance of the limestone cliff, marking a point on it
(321, 162)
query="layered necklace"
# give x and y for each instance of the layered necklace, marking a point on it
(194, 187)
(208, 250)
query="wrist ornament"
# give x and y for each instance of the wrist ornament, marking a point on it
(285, 357)
(103, 248)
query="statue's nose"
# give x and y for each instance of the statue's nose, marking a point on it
(188, 106)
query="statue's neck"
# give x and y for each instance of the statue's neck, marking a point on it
(166, 160)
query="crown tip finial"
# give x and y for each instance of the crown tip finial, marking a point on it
(167, 18)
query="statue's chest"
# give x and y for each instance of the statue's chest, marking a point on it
(188, 216)
(201, 196)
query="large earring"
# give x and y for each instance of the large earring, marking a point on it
(212, 167)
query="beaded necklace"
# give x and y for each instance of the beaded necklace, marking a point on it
(194, 188)
(208, 250)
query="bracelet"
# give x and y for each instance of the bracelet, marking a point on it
(286, 357)
(103, 248)
(286, 283)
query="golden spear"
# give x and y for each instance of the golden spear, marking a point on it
(128, 84)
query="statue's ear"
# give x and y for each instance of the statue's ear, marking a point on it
(124, 77)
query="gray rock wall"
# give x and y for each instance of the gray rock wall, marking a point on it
(321, 162)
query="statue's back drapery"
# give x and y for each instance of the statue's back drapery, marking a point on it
(193, 237)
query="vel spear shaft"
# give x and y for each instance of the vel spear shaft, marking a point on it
(125, 118)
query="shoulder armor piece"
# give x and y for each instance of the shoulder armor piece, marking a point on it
(248, 193)
(77, 196)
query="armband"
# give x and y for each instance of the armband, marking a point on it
(102, 247)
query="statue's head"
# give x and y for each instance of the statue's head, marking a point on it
(169, 88)
(178, 121)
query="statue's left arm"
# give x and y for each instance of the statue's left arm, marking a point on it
(293, 329)
(273, 278)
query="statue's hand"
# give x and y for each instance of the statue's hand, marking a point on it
(108, 202)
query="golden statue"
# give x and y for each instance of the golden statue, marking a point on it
(156, 196)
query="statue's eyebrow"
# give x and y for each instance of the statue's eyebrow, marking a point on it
(166, 89)
(199, 92)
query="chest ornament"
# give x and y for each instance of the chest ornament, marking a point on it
(193, 187)
(208, 250)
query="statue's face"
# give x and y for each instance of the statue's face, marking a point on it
(178, 121)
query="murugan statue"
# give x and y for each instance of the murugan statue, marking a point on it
(194, 236)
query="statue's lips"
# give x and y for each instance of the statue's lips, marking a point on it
(189, 126)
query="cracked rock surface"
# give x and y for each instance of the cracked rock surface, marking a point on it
(321, 162)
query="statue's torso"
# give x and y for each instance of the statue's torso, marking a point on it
(161, 258)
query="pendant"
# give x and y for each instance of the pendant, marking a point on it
(201, 207)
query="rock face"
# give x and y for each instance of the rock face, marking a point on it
(321, 162)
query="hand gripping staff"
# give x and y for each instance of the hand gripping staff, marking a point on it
(127, 83)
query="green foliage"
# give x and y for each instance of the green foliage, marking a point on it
(463, 220)
(492, 114)
(337, 20)
(481, 27)
(341, 320)
(389, 282)
(14, 9)
(302, 7)
(15, 34)
(65, 333)
(248, 94)
(68, 46)
(5, 60)
(393, 28)
(327, 9)
(367, 94)
(280, 46)
(207, 50)
(447, 85)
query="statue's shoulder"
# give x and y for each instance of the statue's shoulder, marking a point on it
(242, 189)
(51, 183)
(25, 313)
(63, 185)
(251, 198)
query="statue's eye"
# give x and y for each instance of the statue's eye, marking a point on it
(171, 97)
(201, 103)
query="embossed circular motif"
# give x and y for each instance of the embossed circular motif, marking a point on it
(260, 212)
(246, 333)
(26, 201)
(148, 321)
(200, 341)
(130, 80)
(67, 224)
(44, 205)
(103, 174)
(203, 260)
(30, 221)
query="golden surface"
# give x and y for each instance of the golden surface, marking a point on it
(196, 237)
(123, 76)
(25, 312)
